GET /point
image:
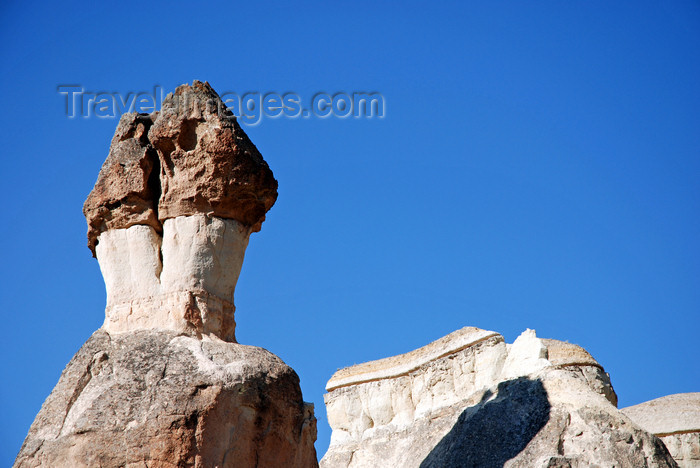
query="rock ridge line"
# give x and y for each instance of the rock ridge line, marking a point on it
(402, 364)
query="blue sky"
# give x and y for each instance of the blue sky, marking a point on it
(538, 166)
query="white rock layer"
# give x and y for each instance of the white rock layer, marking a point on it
(471, 390)
(184, 281)
(526, 355)
(399, 390)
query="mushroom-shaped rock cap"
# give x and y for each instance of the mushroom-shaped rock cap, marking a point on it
(208, 164)
(561, 353)
(190, 158)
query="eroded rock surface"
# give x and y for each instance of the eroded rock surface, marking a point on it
(171, 213)
(208, 163)
(163, 384)
(183, 280)
(191, 157)
(675, 419)
(128, 186)
(471, 400)
(159, 399)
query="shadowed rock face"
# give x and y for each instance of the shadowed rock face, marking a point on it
(190, 158)
(161, 400)
(495, 430)
(471, 400)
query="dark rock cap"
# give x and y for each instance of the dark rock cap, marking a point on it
(127, 188)
(191, 157)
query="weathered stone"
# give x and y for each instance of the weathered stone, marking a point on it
(191, 157)
(171, 213)
(208, 163)
(526, 355)
(471, 400)
(184, 281)
(675, 419)
(128, 186)
(159, 399)
(562, 354)
(163, 383)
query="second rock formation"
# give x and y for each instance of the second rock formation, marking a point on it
(470, 399)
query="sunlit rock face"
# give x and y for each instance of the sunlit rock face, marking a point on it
(470, 399)
(207, 162)
(159, 399)
(171, 213)
(675, 419)
(182, 281)
(162, 383)
(190, 158)
(128, 186)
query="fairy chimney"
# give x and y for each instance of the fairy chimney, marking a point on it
(171, 213)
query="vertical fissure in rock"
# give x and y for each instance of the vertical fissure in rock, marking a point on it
(153, 182)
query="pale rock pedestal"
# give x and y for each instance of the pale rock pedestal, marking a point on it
(183, 281)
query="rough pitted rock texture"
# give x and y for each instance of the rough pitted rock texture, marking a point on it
(208, 164)
(128, 187)
(675, 419)
(190, 158)
(471, 400)
(171, 213)
(158, 399)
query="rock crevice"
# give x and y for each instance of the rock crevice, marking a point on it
(191, 157)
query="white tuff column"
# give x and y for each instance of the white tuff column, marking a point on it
(184, 281)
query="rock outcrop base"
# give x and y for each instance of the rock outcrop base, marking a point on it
(161, 400)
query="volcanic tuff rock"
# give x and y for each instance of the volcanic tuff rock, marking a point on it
(163, 384)
(159, 399)
(675, 419)
(471, 400)
(171, 213)
(208, 164)
(191, 157)
(128, 187)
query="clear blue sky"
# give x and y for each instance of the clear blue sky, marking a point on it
(538, 166)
